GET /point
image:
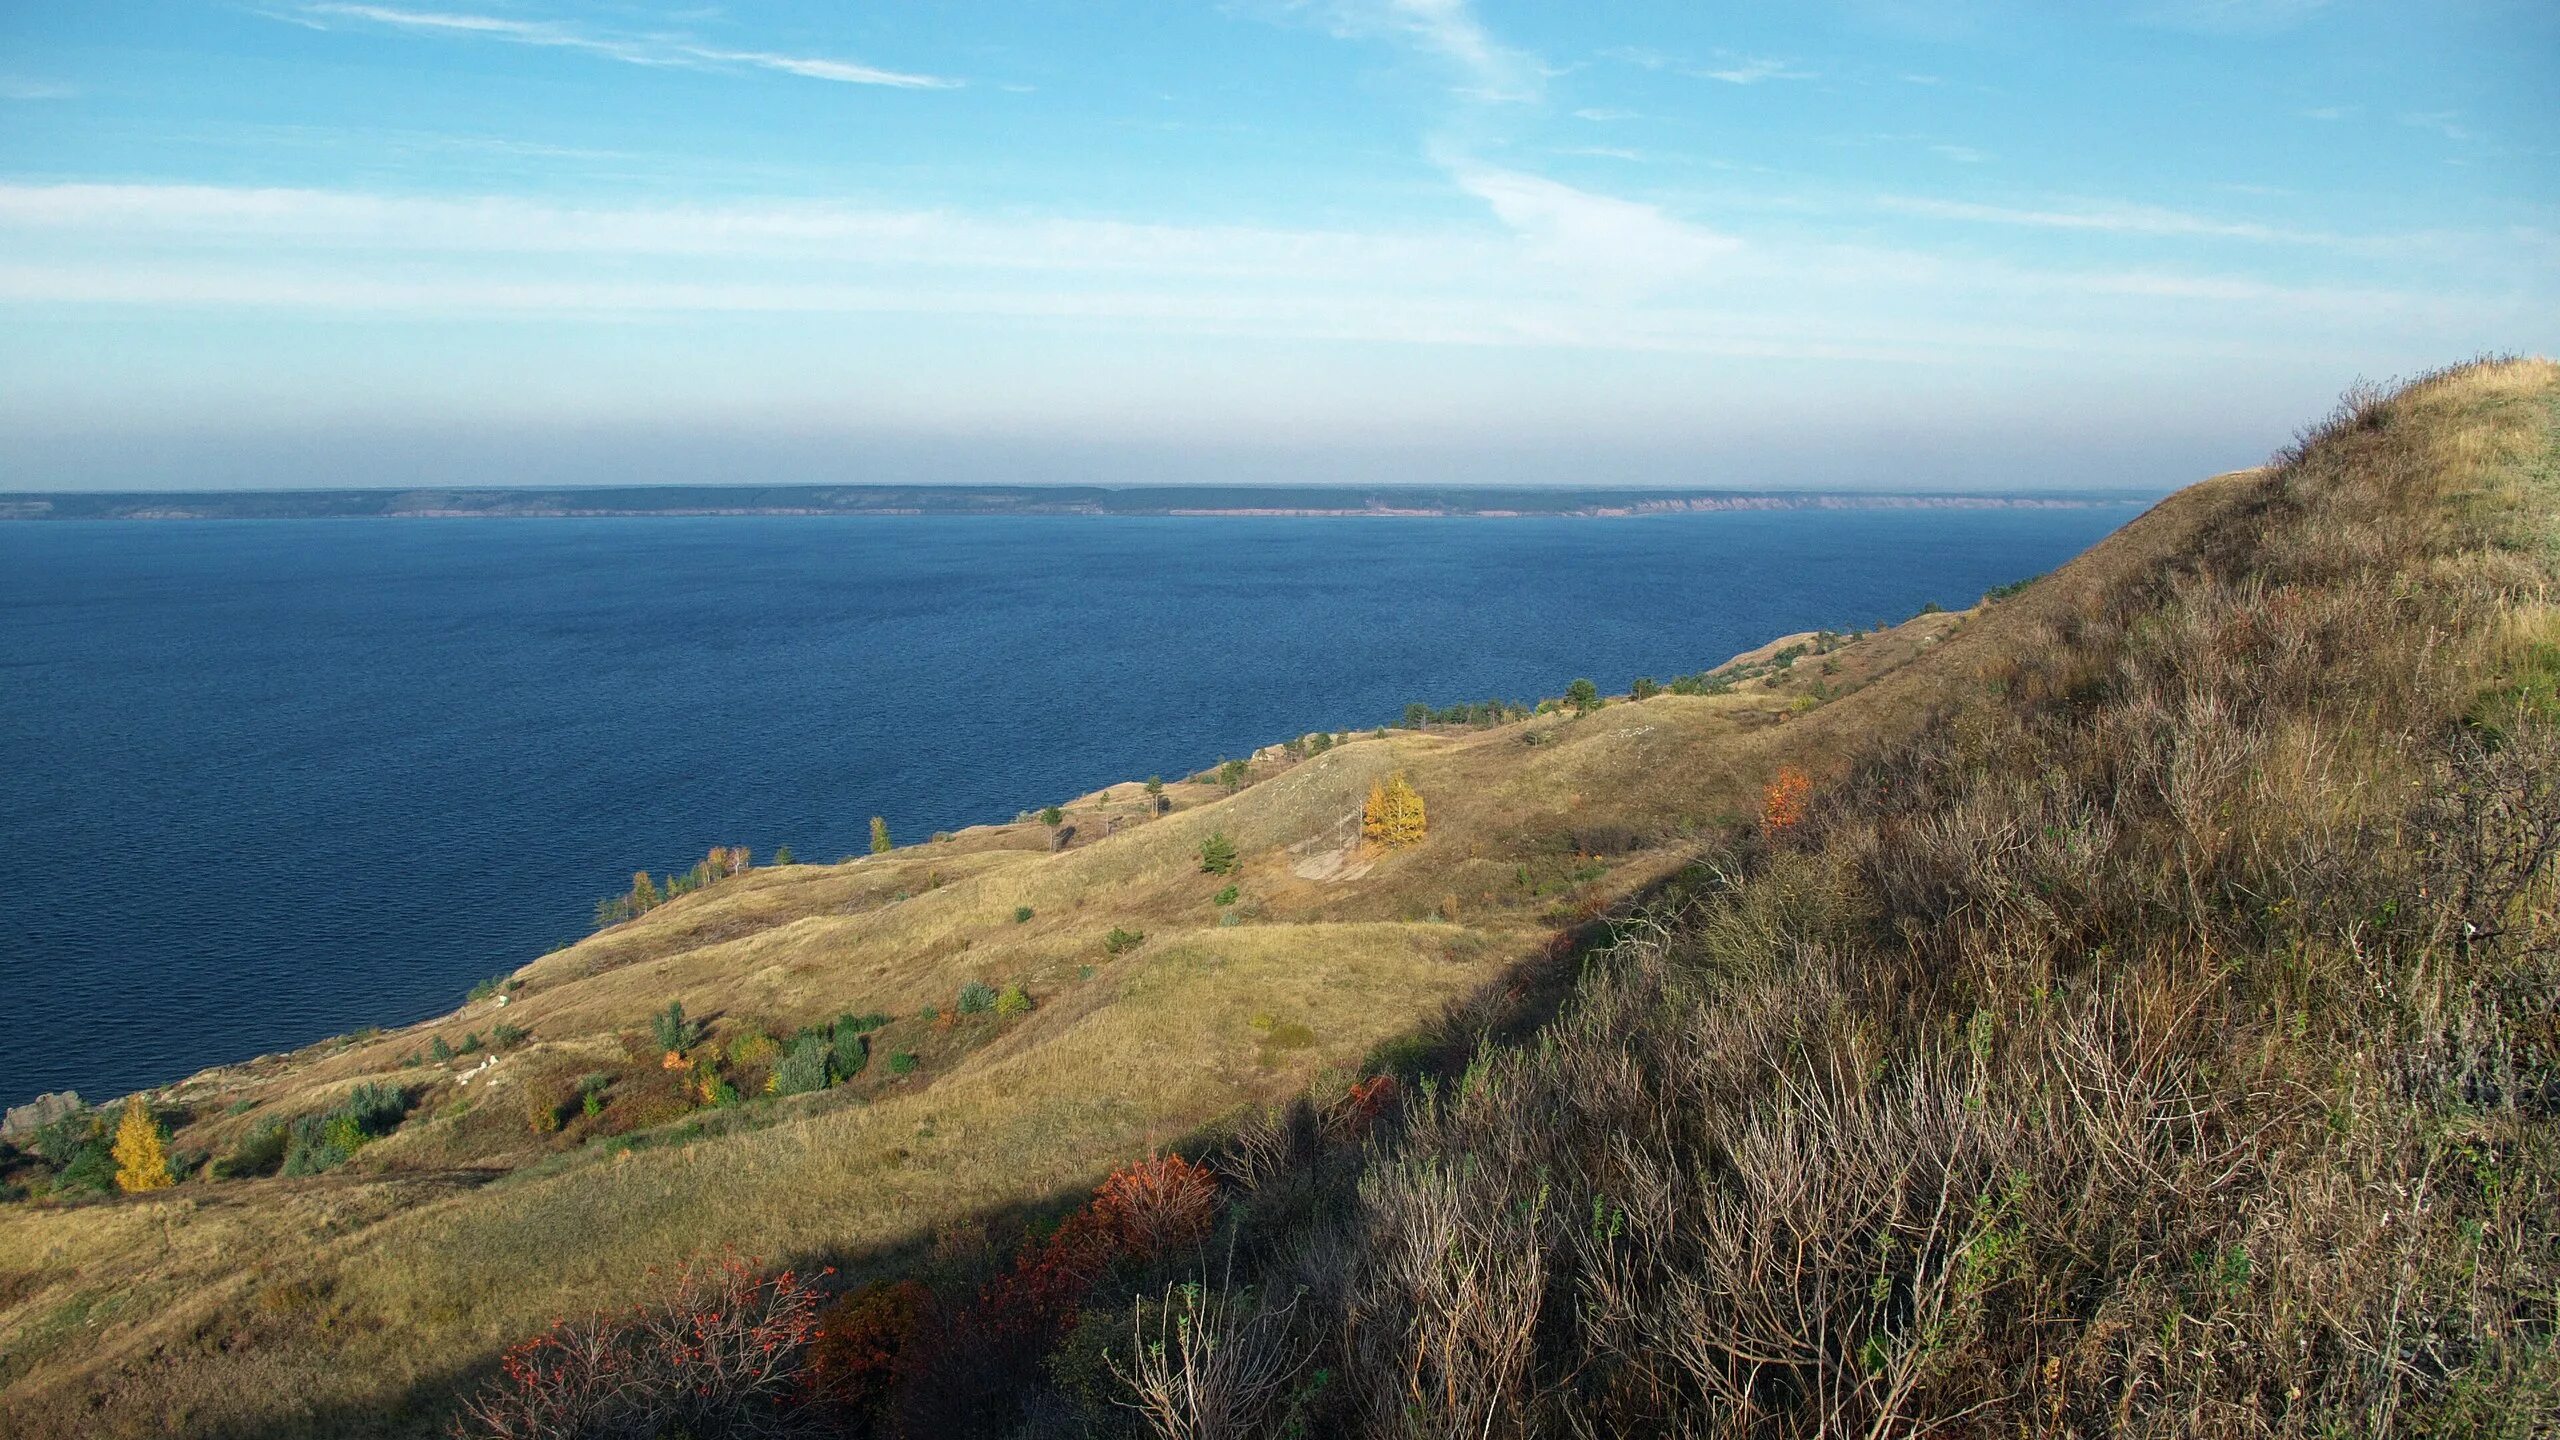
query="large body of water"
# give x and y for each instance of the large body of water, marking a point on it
(266, 781)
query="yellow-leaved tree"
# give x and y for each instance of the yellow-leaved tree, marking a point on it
(1394, 813)
(142, 1162)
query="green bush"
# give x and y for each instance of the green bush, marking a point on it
(80, 1145)
(1014, 1001)
(1583, 696)
(903, 1063)
(850, 1024)
(977, 998)
(486, 988)
(1226, 896)
(1121, 941)
(509, 1036)
(1217, 855)
(259, 1152)
(853, 1054)
(1021, 914)
(439, 1050)
(328, 1139)
(671, 1030)
(809, 1065)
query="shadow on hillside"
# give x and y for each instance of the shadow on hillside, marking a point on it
(974, 1250)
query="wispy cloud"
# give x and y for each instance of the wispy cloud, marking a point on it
(2328, 112)
(1728, 68)
(2447, 123)
(1626, 243)
(14, 87)
(660, 50)
(1447, 29)
(2229, 17)
(1961, 154)
(1560, 266)
(2114, 219)
(1603, 113)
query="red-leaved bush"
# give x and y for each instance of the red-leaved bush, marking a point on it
(864, 1340)
(1160, 1205)
(726, 1355)
(1362, 1105)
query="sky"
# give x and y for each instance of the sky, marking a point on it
(1978, 244)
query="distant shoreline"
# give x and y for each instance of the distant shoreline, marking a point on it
(1204, 501)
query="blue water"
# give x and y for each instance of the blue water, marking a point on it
(268, 781)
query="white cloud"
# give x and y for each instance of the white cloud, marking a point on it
(1729, 68)
(1446, 28)
(1603, 114)
(1624, 244)
(1562, 267)
(632, 50)
(1961, 154)
(2115, 218)
(14, 87)
(2328, 112)
(1752, 72)
(2447, 123)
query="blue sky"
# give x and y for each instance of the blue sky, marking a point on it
(1891, 243)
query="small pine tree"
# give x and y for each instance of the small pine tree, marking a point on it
(1647, 687)
(1231, 773)
(1217, 855)
(782, 855)
(1394, 815)
(644, 891)
(142, 1159)
(879, 836)
(1583, 696)
(1053, 817)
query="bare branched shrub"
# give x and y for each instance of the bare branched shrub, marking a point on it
(1215, 1368)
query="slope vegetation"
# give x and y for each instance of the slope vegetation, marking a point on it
(2161, 1040)
(2127, 1007)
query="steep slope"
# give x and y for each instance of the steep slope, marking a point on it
(2162, 1039)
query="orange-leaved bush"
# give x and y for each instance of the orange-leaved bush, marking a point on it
(1159, 1205)
(1782, 804)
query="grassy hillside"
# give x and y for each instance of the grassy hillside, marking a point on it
(355, 1299)
(2147, 1026)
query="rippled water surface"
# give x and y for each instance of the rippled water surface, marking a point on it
(266, 781)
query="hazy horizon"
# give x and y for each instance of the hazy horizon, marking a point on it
(1977, 244)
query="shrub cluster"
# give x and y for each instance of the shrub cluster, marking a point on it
(647, 894)
(726, 1354)
(329, 1139)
